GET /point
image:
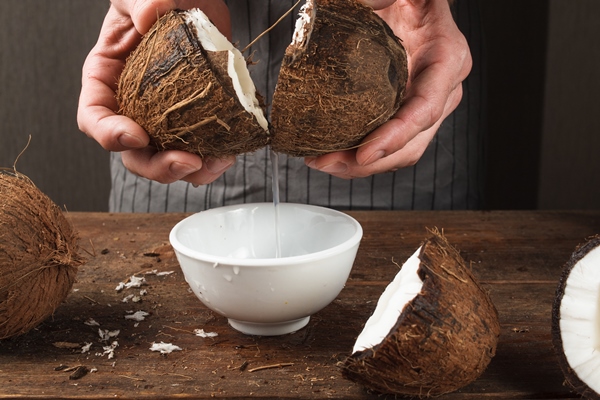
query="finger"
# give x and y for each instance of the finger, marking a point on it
(145, 13)
(407, 156)
(96, 115)
(378, 4)
(212, 169)
(164, 166)
(345, 165)
(422, 110)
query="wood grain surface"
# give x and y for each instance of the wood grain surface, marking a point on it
(517, 255)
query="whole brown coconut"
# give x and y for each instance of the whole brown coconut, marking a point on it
(38, 255)
(189, 88)
(576, 320)
(434, 330)
(343, 75)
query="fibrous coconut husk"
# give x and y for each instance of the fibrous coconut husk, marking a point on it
(344, 75)
(38, 255)
(444, 338)
(572, 379)
(183, 97)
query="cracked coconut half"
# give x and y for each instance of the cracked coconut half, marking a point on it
(576, 320)
(434, 329)
(191, 90)
(343, 75)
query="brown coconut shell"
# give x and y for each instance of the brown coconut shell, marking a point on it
(182, 96)
(38, 255)
(344, 79)
(444, 338)
(571, 377)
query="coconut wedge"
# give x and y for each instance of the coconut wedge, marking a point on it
(39, 255)
(343, 75)
(433, 331)
(190, 89)
(576, 320)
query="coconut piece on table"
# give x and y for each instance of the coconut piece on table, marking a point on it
(190, 89)
(343, 75)
(39, 255)
(576, 319)
(433, 331)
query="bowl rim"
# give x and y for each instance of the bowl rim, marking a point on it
(354, 240)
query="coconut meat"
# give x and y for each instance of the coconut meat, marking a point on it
(212, 39)
(580, 319)
(302, 29)
(406, 286)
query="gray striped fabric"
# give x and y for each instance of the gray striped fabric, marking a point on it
(448, 176)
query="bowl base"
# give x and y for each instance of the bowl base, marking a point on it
(268, 329)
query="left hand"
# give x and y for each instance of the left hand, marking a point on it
(438, 61)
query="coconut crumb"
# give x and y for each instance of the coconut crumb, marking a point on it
(137, 316)
(106, 335)
(109, 350)
(86, 347)
(164, 348)
(134, 282)
(202, 333)
(91, 322)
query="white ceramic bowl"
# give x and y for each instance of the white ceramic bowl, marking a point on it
(228, 257)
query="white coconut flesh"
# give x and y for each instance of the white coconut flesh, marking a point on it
(405, 287)
(212, 39)
(302, 30)
(580, 319)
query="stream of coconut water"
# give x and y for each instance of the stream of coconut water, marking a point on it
(275, 187)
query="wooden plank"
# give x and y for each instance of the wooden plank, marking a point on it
(516, 255)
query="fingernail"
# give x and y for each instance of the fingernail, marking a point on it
(128, 140)
(335, 168)
(377, 155)
(311, 162)
(216, 166)
(180, 169)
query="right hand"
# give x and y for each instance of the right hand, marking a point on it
(122, 30)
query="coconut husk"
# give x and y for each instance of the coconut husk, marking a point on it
(38, 255)
(444, 338)
(182, 95)
(345, 78)
(571, 378)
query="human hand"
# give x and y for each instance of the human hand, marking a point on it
(438, 61)
(123, 27)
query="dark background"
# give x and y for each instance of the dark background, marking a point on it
(543, 98)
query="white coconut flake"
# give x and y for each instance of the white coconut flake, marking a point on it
(127, 298)
(202, 333)
(106, 335)
(405, 287)
(137, 316)
(133, 282)
(302, 24)
(109, 350)
(164, 348)
(164, 273)
(212, 39)
(91, 322)
(86, 348)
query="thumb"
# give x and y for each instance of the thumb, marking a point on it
(145, 13)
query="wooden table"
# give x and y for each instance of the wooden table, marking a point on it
(517, 255)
